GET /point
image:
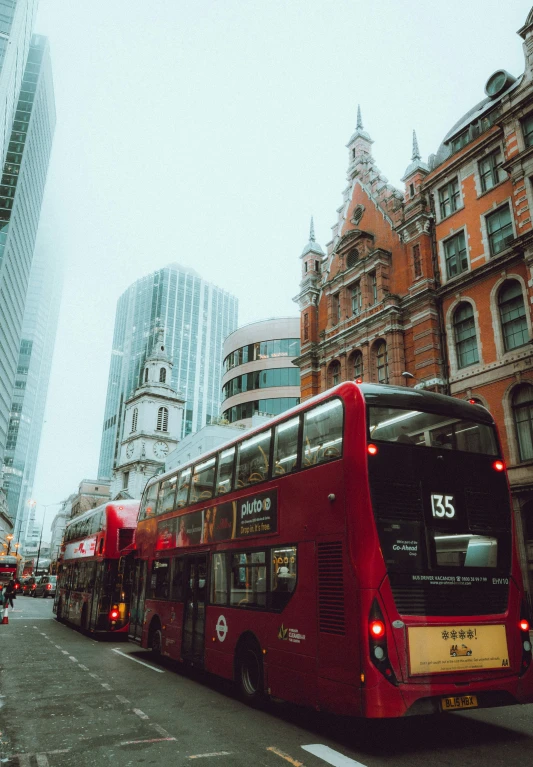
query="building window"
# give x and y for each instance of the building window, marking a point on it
(522, 405)
(146, 375)
(500, 230)
(162, 419)
(134, 418)
(357, 298)
(162, 375)
(317, 266)
(373, 279)
(527, 130)
(125, 479)
(460, 141)
(334, 373)
(513, 315)
(449, 198)
(351, 258)
(455, 255)
(382, 367)
(465, 335)
(490, 171)
(357, 362)
(305, 266)
(306, 326)
(411, 190)
(417, 263)
(336, 298)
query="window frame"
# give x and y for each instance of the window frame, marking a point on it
(505, 324)
(493, 172)
(491, 215)
(449, 195)
(454, 238)
(461, 352)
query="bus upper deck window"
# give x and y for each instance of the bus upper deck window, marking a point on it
(184, 483)
(286, 447)
(322, 437)
(225, 471)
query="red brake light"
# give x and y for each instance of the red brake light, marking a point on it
(114, 614)
(524, 625)
(498, 466)
(48, 585)
(372, 449)
(358, 380)
(377, 629)
(473, 401)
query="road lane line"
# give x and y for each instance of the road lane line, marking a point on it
(122, 699)
(65, 652)
(106, 686)
(41, 760)
(58, 646)
(95, 676)
(294, 762)
(140, 713)
(213, 753)
(150, 740)
(83, 668)
(72, 658)
(331, 757)
(129, 657)
(159, 729)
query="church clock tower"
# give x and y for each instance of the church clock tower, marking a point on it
(152, 425)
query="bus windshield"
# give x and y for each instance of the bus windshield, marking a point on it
(414, 427)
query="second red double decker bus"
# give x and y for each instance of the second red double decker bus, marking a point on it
(91, 592)
(355, 554)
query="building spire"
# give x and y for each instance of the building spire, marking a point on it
(312, 231)
(359, 125)
(416, 151)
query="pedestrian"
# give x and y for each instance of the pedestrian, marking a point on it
(9, 593)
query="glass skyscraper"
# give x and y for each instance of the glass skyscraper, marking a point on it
(31, 383)
(21, 193)
(196, 317)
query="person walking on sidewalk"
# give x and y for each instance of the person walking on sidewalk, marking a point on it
(9, 593)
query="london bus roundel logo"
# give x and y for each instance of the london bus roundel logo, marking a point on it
(266, 504)
(221, 628)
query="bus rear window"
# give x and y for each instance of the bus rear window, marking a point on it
(413, 427)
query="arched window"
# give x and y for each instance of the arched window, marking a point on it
(163, 375)
(162, 419)
(357, 365)
(464, 329)
(512, 315)
(146, 375)
(334, 373)
(134, 417)
(522, 405)
(382, 367)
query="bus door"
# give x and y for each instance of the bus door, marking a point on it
(138, 590)
(192, 645)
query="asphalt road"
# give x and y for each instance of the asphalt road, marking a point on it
(69, 701)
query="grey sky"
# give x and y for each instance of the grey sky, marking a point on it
(208, 131)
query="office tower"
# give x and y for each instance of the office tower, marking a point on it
(31, 382)
(21, 192)
(17, 18)
(196, 316)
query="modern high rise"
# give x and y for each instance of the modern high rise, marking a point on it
(196, 317)
(21, 192)
(31, 382)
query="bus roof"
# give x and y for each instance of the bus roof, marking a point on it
(129, 505)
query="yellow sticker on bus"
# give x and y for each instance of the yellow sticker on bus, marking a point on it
(440, 649)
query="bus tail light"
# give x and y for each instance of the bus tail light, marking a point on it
(378, 643)
(372, 449)
(498, 466)
(114, 614)
(524, 626)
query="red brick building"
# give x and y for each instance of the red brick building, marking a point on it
(436, 281)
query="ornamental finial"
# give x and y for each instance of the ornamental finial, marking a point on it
(416, 151)
(312, 231)
(359, 119)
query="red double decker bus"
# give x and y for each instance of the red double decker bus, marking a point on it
(90, 591)
(8, 568)
(355, 554)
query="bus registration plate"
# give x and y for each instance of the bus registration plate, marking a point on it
(459, 701)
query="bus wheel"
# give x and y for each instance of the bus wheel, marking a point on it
(249, 672)
(156, 639)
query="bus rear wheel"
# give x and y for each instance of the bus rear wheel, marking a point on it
(156, 640)
(249, 672)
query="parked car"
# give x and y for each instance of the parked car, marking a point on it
(45, 586)
(29, 586)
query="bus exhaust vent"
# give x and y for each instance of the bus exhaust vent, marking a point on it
(397, 500)
(330, 588)
(125, 537)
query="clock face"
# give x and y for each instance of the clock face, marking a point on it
(129, 450)
(160, 449)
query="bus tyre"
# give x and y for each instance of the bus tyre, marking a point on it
(156, 639)
(249, 672)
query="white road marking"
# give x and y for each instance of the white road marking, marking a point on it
(65, 652)
(160, 730)
(58, 646)
(72, 658)
(122, 699)
(41, 760)
(331, 757)
(95, 676)
(83, 668)
(106, 686)
(140, 713)
(129, 657)
(150, 740)
(213, 753)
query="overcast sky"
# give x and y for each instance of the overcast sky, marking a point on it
(208, 132)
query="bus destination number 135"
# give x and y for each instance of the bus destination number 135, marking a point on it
(443, 505)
